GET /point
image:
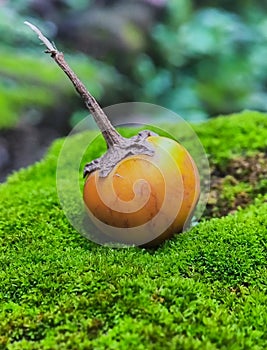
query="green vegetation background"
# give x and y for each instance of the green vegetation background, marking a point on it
(198, 58)
(204, 289)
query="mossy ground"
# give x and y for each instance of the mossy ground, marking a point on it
(237, 185)
(204, 289)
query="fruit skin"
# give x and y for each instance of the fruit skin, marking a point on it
(170, 197)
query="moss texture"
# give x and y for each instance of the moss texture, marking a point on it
(204, 289)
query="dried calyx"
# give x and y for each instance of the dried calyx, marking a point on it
(118, 146)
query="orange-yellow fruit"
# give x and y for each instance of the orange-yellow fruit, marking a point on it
(145, 200)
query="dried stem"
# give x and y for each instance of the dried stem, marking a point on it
(118, 147)
(109, 132)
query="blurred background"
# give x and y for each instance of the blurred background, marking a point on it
(198, 58)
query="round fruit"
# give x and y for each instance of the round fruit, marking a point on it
(145, 199)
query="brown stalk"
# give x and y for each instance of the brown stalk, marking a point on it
(118, 146)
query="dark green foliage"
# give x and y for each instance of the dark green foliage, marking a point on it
(208, 58)
(204, 289)
(197, 58)
(23, 90)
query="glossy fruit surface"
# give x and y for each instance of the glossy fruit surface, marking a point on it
(145, 200)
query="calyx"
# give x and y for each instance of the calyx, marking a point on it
(120, 150)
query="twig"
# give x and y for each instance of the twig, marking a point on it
(118, 146)
(109, 132)
(47, 43)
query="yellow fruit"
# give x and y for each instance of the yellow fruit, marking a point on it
(145, 200)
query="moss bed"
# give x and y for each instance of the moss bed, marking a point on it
(203, 289)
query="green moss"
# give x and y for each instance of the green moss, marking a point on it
(228, 196)
(204, 289)
(225, 138)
